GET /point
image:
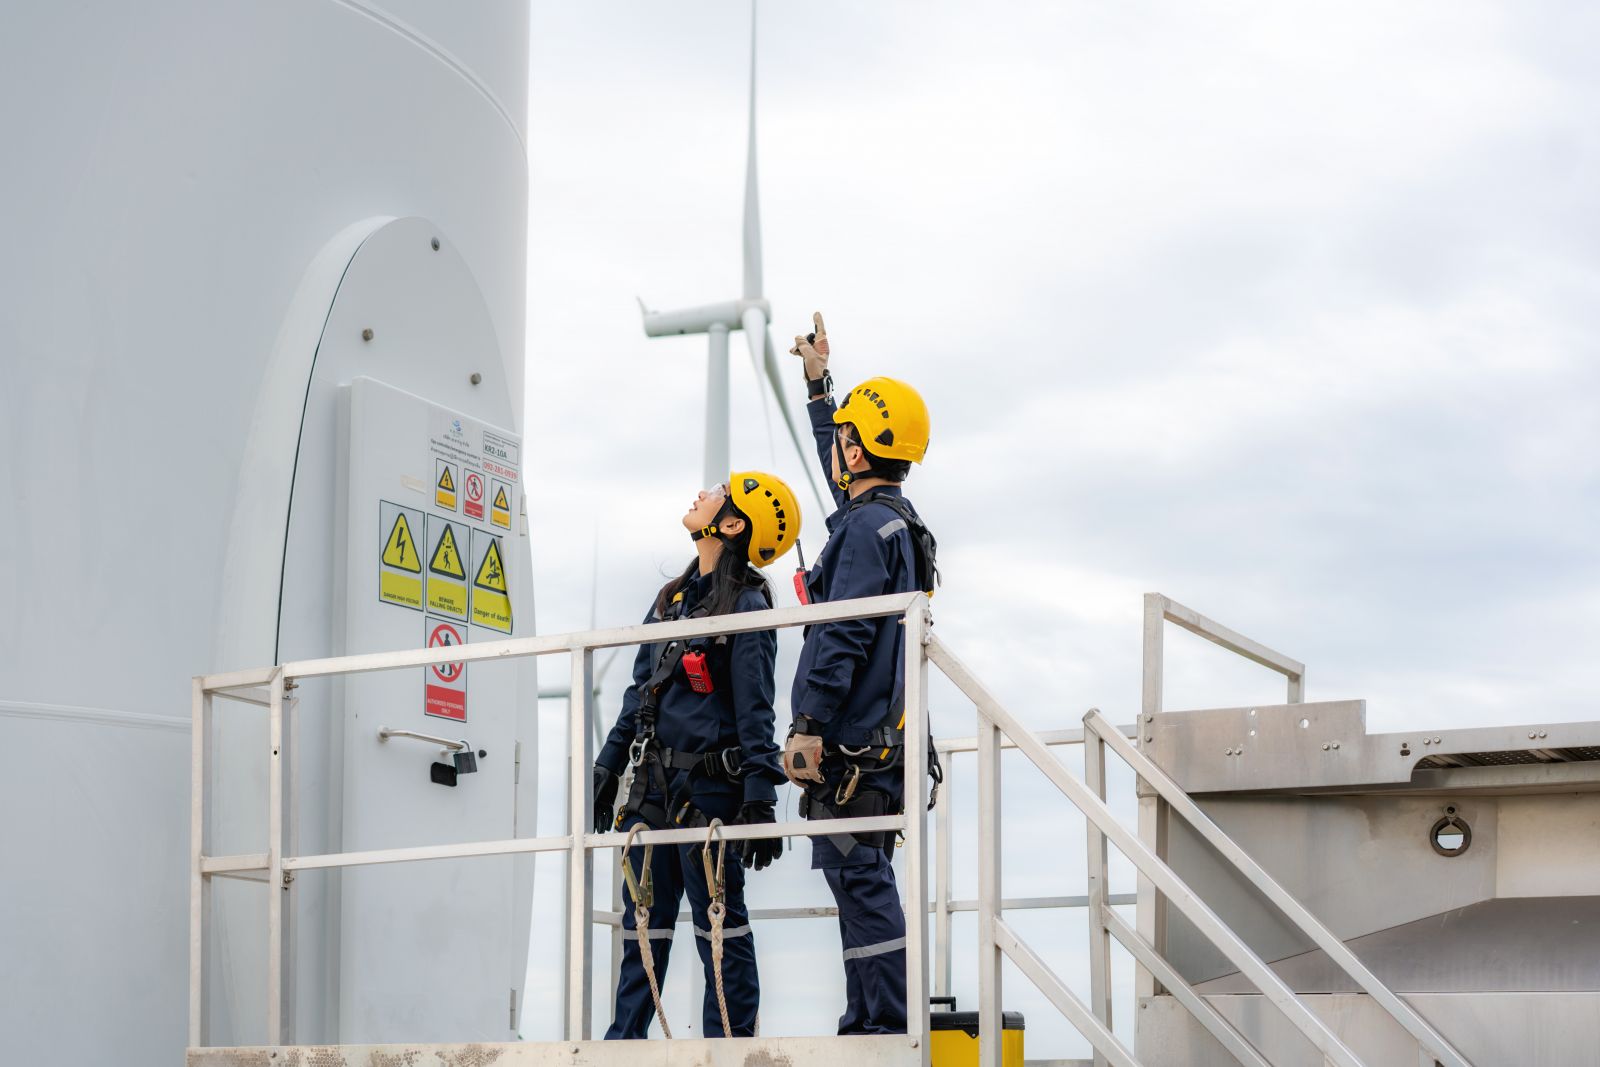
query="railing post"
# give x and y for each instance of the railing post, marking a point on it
(1148, 911)
(989, 1011)
(275, 890)
(941, 890)
(1094, 776)
(199, 847)
(580, 865)
(915, 852)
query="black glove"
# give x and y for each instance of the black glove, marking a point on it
(605, 799)
(758, 853)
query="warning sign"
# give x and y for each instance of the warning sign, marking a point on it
(500, 505)
(444, 687)
(491, 594)
(447, 573)
(399, 558)
(444, 485)
(472, 500)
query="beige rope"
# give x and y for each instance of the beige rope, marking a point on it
(716, 911)
(643, 892)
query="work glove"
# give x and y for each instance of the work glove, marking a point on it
(605, 799)
(802, 759)
(813, 349)
(757, 854)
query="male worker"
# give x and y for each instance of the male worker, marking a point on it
(847, 741)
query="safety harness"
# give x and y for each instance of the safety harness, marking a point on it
(654, 762)
(884, 746)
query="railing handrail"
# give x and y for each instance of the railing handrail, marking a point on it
(1298, 914)
(1149, 864)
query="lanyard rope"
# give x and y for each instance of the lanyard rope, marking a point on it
(642, 892)
(716, 911)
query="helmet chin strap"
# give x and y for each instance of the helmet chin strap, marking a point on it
(705, 532)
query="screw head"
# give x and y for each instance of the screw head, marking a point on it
(1336, 744)
(1148, 740)
(475, 378)
(1149, 718)
(435, 244)
(366, 335)
(1324, 746)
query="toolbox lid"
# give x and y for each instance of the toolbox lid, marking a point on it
(968, 1021)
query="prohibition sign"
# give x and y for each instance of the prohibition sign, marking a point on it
(444, 635)
(474, 486)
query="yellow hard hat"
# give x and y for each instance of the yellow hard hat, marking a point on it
(890, 418)
(769, 506)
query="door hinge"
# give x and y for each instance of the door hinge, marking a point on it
(513, 1011)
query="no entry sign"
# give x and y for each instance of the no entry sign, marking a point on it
(444, 687)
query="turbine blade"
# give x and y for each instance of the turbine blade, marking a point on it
(808, 457)
(752, 200)
(754, 325)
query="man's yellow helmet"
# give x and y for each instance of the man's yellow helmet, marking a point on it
(769, 506)
(890, 418)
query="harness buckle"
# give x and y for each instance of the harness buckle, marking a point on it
(732, 765)
(846, 790)
(637, 747)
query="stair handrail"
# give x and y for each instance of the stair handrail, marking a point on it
(1432, 1042)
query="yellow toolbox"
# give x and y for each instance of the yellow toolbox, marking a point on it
(953, 1036)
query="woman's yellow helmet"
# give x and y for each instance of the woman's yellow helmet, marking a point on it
(769, 506)
(890, 418)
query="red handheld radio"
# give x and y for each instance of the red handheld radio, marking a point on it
(800, 592)
(694, 669)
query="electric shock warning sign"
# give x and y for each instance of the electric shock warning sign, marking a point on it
(500, 505)
(472, 500)
(447, 573)
(444, 687)
(444, 485)
(399, 558)
(491, 593)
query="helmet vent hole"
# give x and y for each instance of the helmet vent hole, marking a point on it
(885, 438)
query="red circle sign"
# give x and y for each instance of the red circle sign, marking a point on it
(443, 636)
(474, 487)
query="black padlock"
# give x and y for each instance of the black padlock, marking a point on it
(442, 774)
(466, 761)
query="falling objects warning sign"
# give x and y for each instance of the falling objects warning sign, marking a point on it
(444, 485)
(447, 573)
(491, 593)
(472, 498)
(500, 505)
(444, 687)
(399, 558)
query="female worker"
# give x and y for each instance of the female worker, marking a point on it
(697, 728)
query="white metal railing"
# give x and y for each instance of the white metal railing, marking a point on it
(997, 729)
(267, 687)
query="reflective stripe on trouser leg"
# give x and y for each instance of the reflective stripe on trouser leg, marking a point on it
(872, 929)
(740, 983)
(634, 1009)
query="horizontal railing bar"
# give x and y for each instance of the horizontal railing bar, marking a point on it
(516, 845)
(462, 850)
(1166, 880)
(1046, 903)
(820, 911)
(221, 683)
(1297, 913)
(1231, 640)
(1206, 1015)
(1056, 991)
(242, 876)
(1049, 737)
(643, 633)
(249, 861)
(747, 831)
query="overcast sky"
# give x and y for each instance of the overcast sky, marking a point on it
(1285, 310)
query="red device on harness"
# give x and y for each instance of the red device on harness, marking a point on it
(694, 669)
(800, 592)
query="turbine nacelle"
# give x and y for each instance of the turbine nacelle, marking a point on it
(700, 319)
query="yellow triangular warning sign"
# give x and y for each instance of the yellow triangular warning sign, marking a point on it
(491, 573)
(446, 558)
(500, 501)
(400, 551)
(447, 483)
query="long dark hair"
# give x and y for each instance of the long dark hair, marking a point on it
(732, 575)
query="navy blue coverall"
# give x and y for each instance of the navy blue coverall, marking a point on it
(737, 712)
(850, 681)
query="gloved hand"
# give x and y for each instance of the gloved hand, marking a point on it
(814, 351)
(605, 799)
(757, 854)
(802, 759)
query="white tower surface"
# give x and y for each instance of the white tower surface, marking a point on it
(207, 205)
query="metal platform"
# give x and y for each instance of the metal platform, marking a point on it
(896, 1051)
